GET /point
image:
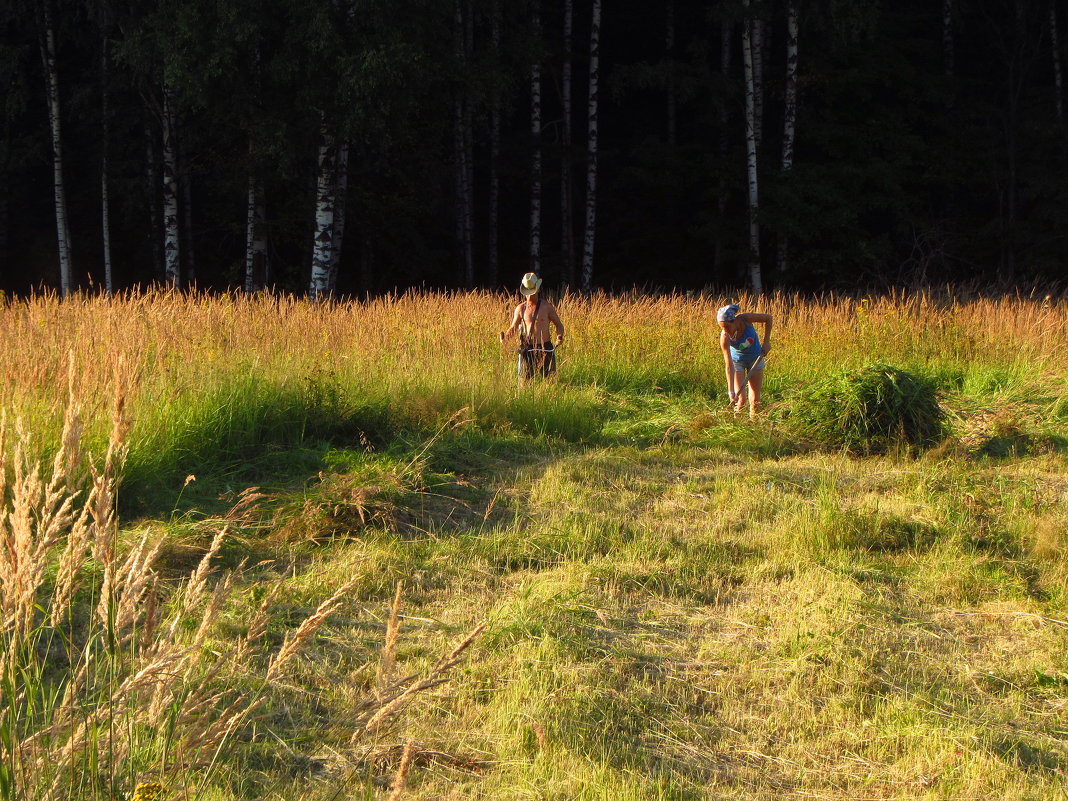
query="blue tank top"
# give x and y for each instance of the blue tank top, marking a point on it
(746, 349)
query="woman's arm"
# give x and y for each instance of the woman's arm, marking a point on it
(766, 320)
(732, 391)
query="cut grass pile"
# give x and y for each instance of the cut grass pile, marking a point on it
(873, 409)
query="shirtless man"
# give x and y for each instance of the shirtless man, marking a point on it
(531, 319)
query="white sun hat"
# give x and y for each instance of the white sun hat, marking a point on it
(727, 313)
(531, 284)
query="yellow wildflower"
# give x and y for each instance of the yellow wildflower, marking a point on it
(147, 791)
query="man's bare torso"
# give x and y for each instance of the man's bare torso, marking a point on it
(534, 327)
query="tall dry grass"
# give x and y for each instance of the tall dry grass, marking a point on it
(425, 355)
(112, 679)
(233, 385)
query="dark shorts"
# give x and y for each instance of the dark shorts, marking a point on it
(537, 360)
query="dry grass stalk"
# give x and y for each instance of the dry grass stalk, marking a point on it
(398, 694)
(293, 644)
(402, 771)
(389, 646)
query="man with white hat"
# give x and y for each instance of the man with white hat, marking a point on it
(531, 319)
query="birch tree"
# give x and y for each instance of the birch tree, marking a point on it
(591, 149)
(755, 279)
(47, 35)
(325, 197)
(535, 137)
(255, 239)
(789, 113)
(172, 249)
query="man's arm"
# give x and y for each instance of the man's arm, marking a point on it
(517, 316)
(554, 318)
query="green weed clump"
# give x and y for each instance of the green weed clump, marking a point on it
(874, 409)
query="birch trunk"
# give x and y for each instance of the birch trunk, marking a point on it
(155, 223)
(751, 156)
(492, 277)
(789, 113)
(726, 39)
(567, 238)
(255, 239)
(172, 261)
(48, 57)
(340, 213)
(105, 204)
(669, 43)
(323, 244)
(1054, 40)
(535, 136)
(591, 150)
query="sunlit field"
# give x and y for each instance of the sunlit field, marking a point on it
(318, 506)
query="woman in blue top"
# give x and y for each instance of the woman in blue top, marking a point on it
(743, 354)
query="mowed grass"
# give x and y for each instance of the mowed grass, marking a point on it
(681, 604)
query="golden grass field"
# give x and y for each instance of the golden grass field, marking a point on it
(677, 603)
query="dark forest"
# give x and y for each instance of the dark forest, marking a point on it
(364, 146)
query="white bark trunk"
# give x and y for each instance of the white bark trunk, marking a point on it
(323, 246)
(48, 55)
(1054, 39)
(591, 150)
(172, 260)
(255, 239)
(751, 156)
(492, 277)
(567, 238)
(789, 113)
(105, 204)
(535, 136)
(340, 208)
